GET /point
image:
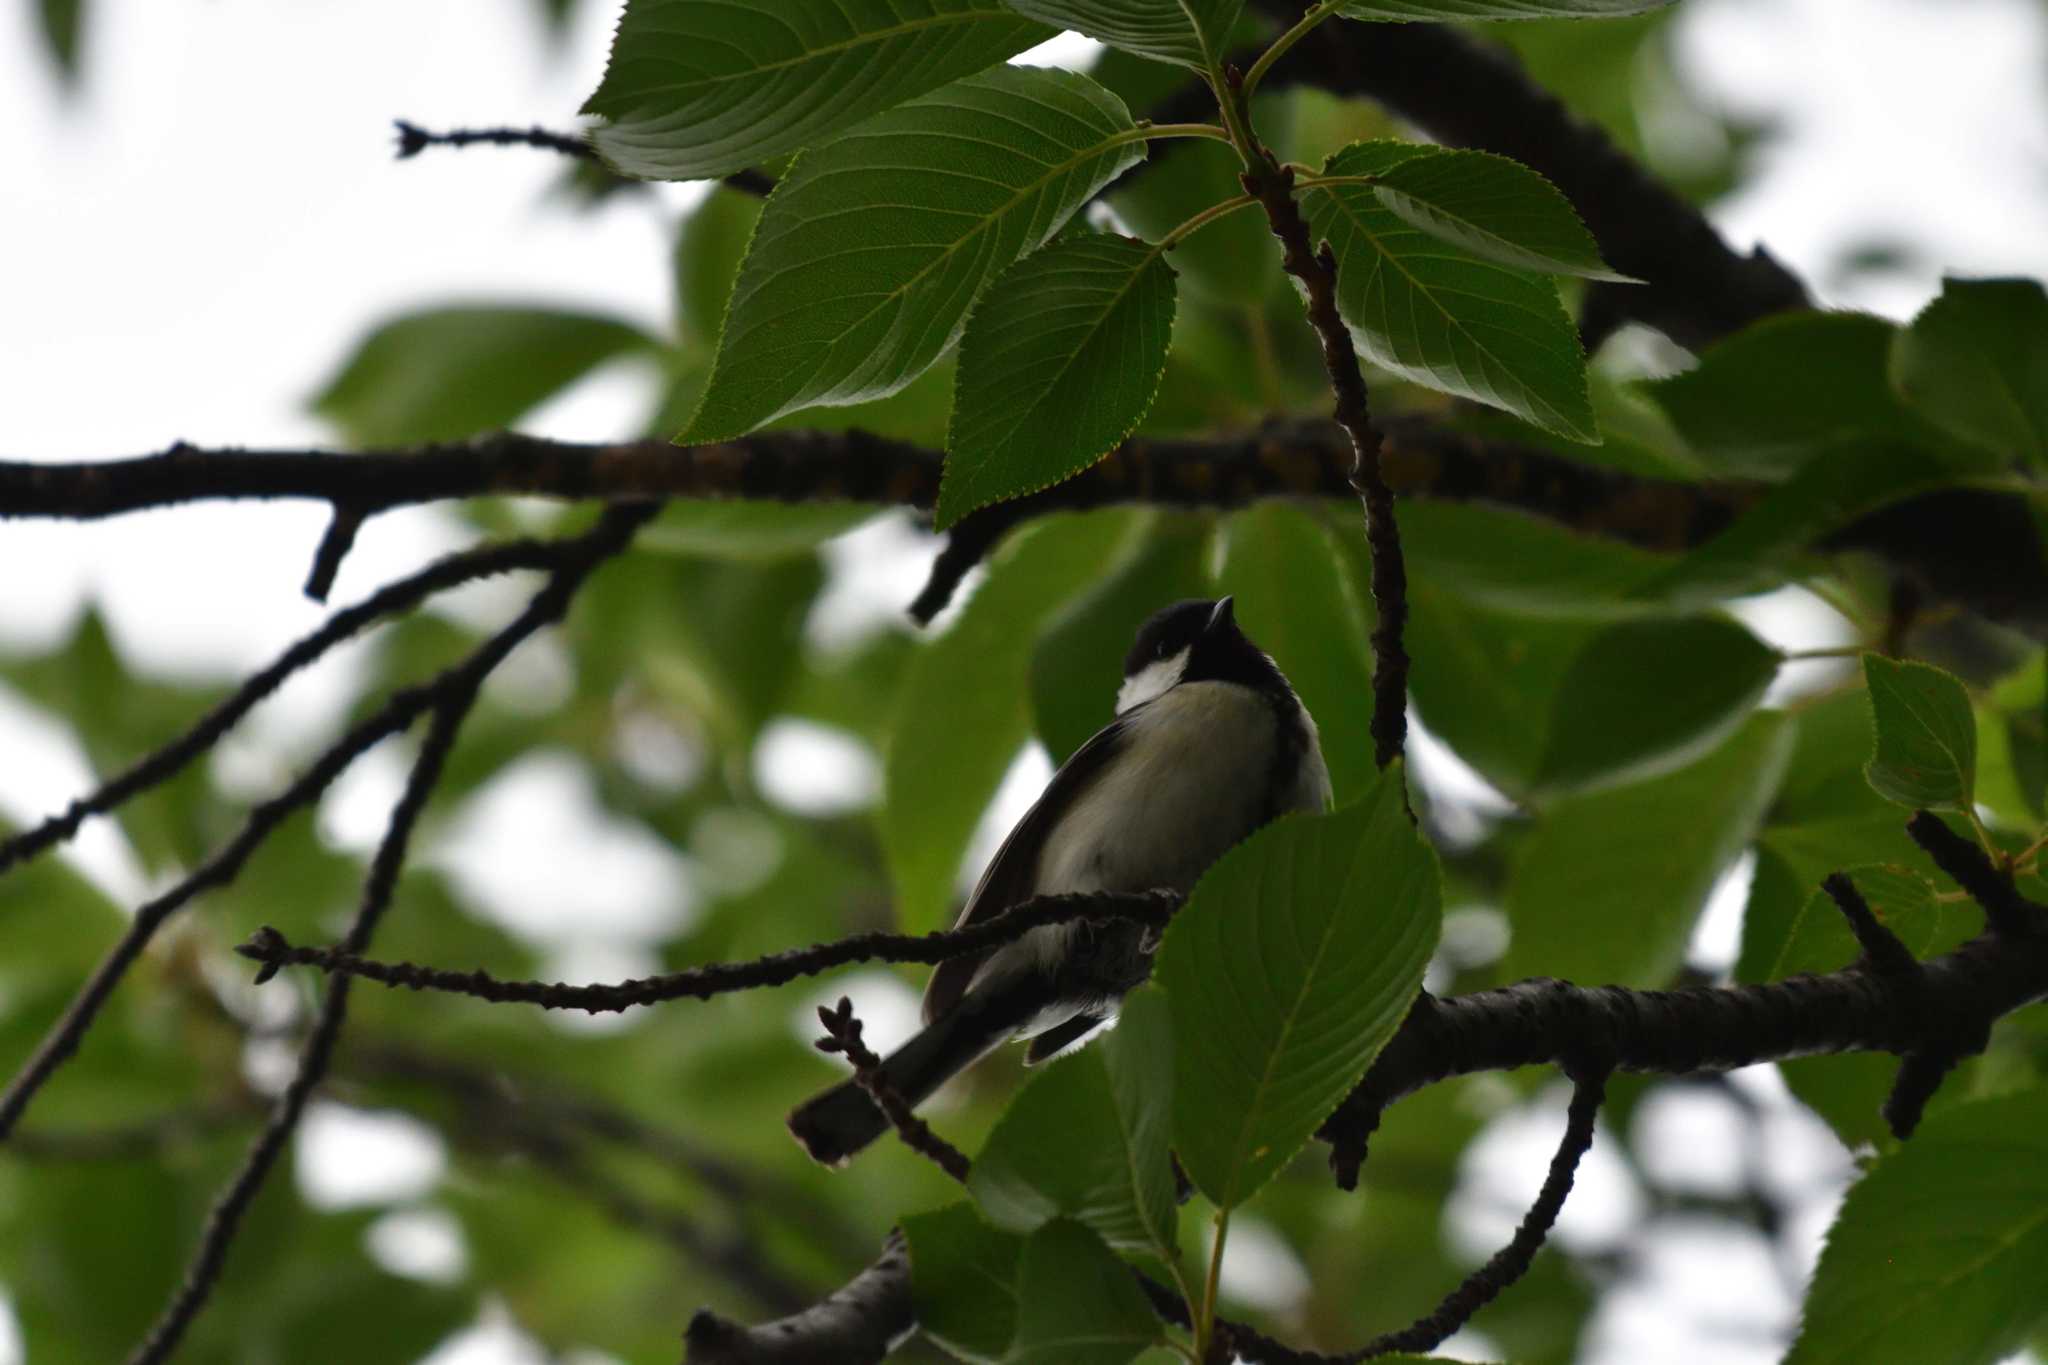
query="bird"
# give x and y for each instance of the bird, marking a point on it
(1209, 742)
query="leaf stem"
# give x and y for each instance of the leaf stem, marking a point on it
(1317, 182)
(1799, 656)
(1145, 132)
(1206, 216)
(1316, 14)
(1205, 1320)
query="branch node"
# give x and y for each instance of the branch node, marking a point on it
(1882, 949)
(334, 547)
(2006, 912)
(842, 1035)
(268, 948)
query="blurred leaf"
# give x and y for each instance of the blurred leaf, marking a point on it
(1087, 1139)
(1442, 319)
(750, 532)
(1494, 208)
(963, 1281)
(63, 21)
(963, 711)
(1058, 363)
(1077, 1304)
(1544, 708)
(1770, 397)
(1291, 965)
(1189, 33)
(709, 249)
(1975, 361)
(1295, 601)
(1608, 889)
(871, 252)
(1839, 484)
(1493, 9)
(1941, 1251)
(1077, 665)
(1644, 697)
(448, 373)
(1509, 560)
(693, 91)
(1926, 738)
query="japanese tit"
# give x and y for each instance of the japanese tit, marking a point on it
(1209, 743)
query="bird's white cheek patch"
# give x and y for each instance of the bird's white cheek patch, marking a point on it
(1151, 681)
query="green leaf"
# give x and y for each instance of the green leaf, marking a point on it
(1926, 737)
(1297, 602)
(963, 1281)
(1077, 665)
(450, 373)
(1767, 399)
(750, 532)
(1511, 561)
(695, 90)
(1494, 208)
(1975, 361)
(1186, 32)
(1941, 1251)
(1644, 697)
(1545, 708)
(873, 248)
(1060, 360)
(1292, 964)
(1077, 1304)
(709, 249)
(963, 711)
(1087, 1139)
(62, 22)
(1436, 10)
(1608, 888)
(1443, 319)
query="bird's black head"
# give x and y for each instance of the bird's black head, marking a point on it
(1192, 641)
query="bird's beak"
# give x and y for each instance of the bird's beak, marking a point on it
(1221, 618)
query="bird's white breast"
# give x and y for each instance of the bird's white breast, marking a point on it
(1188, 782)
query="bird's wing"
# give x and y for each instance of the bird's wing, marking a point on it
(1012, 874)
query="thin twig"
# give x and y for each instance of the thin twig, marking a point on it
(1881, 947)
(413, 139)
(454, 694)
(842, 1035)
(270, 948)
(2006, 911)
(613, 530)
(1273, 186)
(166, 762)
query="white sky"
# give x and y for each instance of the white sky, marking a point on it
(193, 242)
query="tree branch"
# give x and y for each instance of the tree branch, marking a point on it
(413, 139)
(854, 1325)
(572, 558)
(269, 947)
(842, 1035)
(453, 694)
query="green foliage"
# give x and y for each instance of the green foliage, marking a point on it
(1289, 968)
(1975, 362)
(963, 1280)
(1941, 1252)
(1926, 739)
(873, 248)
(1640, 861)
(1420, 306)
(1088, 1138)
(1494, 9)
(963, 711)
(449, 373)
(1060, 360)
(1077, 1304)
(1188, 33)
(695, 90)
(1493, 208)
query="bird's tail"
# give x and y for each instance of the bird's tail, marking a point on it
(838, 1123)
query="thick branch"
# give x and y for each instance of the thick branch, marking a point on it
(855, 1325)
